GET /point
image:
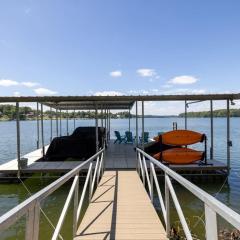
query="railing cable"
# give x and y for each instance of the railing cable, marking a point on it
(44, 214)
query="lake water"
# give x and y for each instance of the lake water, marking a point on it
(12, 194)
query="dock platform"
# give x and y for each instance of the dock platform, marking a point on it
(118, 156)
(120, 209)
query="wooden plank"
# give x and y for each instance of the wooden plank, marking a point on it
(120, 209)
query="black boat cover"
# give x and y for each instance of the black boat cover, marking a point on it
(79, 146)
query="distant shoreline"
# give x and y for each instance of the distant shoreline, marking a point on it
(71, 119)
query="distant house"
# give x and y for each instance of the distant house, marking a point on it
(30, 114)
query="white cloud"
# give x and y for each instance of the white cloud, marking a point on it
(8, 83)
(108, 93)
(44, 91)
(16, 94)
(116, 73)
(146, 72)
(30, 84)
(183, 80)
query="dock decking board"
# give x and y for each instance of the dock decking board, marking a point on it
(120, 209)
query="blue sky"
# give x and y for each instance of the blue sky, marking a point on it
(119, 47)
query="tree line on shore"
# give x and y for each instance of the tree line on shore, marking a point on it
(8, 112)
(216, 113)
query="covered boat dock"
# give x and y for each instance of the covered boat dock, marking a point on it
(105, 104)
(120, 179)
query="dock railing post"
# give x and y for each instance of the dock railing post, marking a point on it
(42, 131)
(32, 222)
(210, 223)
(167, 206)
(75, 206)
(90, 183)
(18, 138)
(211, 119)
(143, 170)
(151, 180)
(38, 125)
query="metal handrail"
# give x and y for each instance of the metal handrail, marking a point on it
(212, 205)
(31, 206)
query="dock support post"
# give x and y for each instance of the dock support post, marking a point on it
(37, 125)
(51, 125)
(67, 123)
(136, 123)
(109, 126)
(186, 106)
(42, 131)
(101, 116)
(74, 120)
(211, 115)
(57, 122)
(228, 137)
(18, 138)
(143, 125)
(96, 126)
(129, 120)
(60, 122)
(167, 206)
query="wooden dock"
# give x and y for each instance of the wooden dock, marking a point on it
(120, 209)
(118, 156)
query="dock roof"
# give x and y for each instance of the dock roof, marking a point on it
(112, 102)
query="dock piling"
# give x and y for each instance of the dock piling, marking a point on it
(18, 138)
(42, 131)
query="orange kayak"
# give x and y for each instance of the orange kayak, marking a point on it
(180, 156)
(180, 137)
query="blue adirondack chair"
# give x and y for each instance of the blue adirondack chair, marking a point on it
(129, 137)
(118, 136)
(145, 138)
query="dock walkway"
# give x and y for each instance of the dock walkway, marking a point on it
(120, 209)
